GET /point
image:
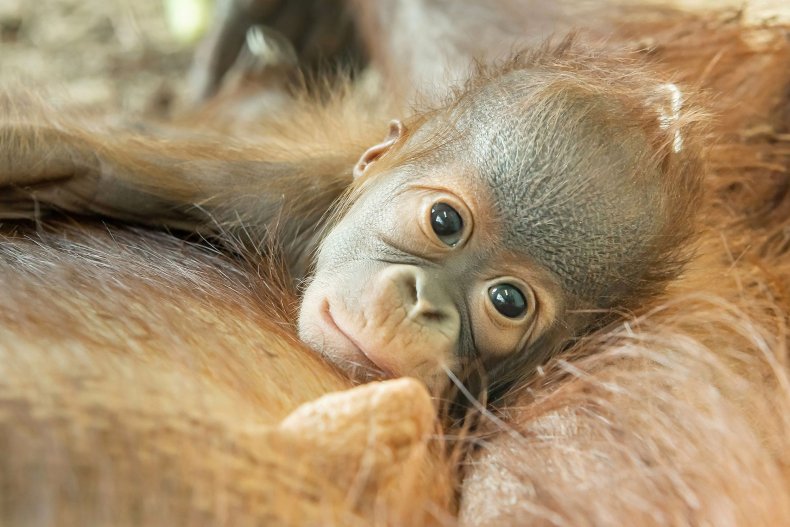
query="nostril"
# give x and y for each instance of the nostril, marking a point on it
(415, 301)
(410, 288)
(432, 315)
(428, 314)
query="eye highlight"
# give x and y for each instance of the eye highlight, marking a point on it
(446, 223)
(508, 300)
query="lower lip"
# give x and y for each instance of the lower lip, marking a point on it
(326, 315)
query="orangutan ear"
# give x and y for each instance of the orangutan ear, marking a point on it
(374, 152)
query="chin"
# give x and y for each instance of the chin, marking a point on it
(335, 348)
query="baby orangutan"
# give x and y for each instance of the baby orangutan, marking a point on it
(477, 237)
(498, 227)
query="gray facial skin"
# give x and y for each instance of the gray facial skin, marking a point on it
(562, 196)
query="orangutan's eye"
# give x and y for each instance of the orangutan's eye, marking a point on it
(446, 223)
(508, 300)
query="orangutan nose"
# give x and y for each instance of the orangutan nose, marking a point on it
(424, 300)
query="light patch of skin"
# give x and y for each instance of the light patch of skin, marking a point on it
(390, 298)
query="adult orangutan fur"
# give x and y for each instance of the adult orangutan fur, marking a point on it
(678, 416)
(149, 386)
(145, 380)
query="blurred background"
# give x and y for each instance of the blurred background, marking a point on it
(132, 56)
(127, 55)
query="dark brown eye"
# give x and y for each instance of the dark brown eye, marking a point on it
(446, 223)
(508, 300)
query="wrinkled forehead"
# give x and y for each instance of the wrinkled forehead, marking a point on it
(574, 184)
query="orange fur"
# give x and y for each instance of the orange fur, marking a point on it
(675, 416)
(144, 381)
(679, 415)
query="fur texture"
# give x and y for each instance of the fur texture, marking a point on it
(677, 416)
(144, 381)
